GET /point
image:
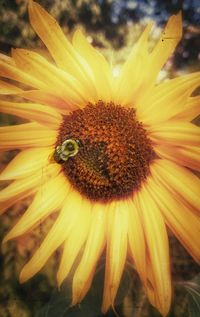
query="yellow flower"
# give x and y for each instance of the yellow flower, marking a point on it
(115, 151)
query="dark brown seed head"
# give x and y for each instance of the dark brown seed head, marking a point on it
(114, 151)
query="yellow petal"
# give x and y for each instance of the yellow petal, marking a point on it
(7, 59)
(18, 188)
(59, 232)
(26, 163)
(93, 249)
(175, 133)
(188, 156)
(167, 99)
(46, 98)
(5, 205)
(44, 203)
(191, 109)
(178, 180)
(25, 136)
(180, 219)
(75, 242)
(136, 239)
(150, 288)
(117, 232)
(59, 82)
(33, 112)
(166, 45)
(8, 89)
(158, 249)
(132, 74)
(21, 186)
(134, 83)
(61, 50)
(98, 64)
(12, 72)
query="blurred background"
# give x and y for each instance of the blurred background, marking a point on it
(113, 27)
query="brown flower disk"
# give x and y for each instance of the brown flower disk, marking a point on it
(114, 151)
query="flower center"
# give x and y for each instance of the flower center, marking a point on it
(104, 151)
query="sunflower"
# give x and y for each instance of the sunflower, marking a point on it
(116, 153)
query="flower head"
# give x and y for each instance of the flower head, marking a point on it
(117, 152)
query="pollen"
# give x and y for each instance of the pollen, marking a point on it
(114, 151)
